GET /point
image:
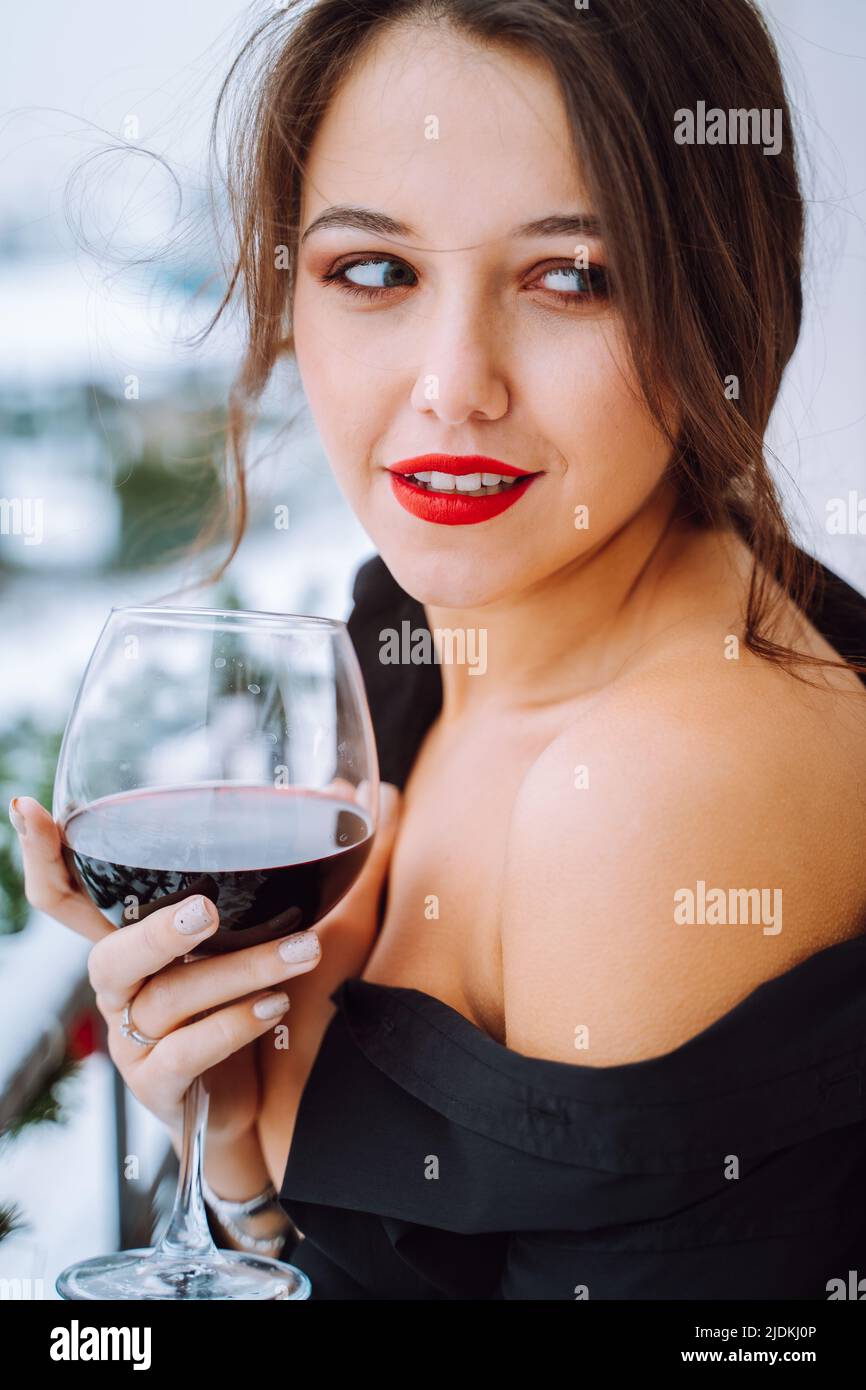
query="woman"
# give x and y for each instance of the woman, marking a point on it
(604, 1034)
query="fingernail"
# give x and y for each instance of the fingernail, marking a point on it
(16, 817)
(304, 945)
(193, 916)
(271, 1006)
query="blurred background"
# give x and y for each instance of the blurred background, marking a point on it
(111, 416)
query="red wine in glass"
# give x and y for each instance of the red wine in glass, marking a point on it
(273, 860)
(231, 754)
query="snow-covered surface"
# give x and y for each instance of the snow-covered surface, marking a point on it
(72, 324)
(61, 1177)
(39, 967)
(64, 1181)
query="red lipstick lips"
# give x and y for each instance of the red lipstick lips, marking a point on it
(455, 508)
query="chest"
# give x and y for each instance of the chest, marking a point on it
(440, 932)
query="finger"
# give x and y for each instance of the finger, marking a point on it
(120, 963)
(173, 1064)
(47, 884)
(360, 794)
(179, 992)
(343, 787)
(368, 885)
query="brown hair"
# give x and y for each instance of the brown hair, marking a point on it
(704, 242)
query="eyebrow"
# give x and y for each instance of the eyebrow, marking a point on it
(380, 224)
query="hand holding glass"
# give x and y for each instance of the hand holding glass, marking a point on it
(230, 754)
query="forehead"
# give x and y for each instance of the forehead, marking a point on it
(455, 139)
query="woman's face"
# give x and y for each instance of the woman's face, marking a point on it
(457, 333)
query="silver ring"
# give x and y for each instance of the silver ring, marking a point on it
(129, 1030)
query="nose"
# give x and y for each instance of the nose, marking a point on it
(461, 374)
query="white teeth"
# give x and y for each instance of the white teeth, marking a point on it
(443, 482)
(468, 484)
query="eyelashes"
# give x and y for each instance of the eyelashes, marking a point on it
(590, 285)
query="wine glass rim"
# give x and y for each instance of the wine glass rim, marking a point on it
(191, 611)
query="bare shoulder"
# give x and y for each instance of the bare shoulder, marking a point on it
(697, 830)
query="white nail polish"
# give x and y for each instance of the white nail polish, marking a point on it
(303, 946)
(192, 917)
(271, 1006)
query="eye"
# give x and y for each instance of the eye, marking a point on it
(576, 285)
(371, 276)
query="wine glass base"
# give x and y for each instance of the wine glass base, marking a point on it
(145, 1275)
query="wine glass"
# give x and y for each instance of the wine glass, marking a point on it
(232, 754)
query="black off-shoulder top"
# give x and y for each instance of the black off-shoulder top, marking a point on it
(431, 1162)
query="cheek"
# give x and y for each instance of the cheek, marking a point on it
(612, 451)
(340, 397)
(318, 362)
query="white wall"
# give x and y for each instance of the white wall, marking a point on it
(819, 428)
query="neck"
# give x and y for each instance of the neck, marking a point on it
(571, 632)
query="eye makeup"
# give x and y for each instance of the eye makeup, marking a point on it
(590, 284)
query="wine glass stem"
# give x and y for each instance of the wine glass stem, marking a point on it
(188, 1232)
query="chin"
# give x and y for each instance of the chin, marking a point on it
(440, 582)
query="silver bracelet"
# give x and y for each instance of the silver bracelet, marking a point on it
(228, 1213)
